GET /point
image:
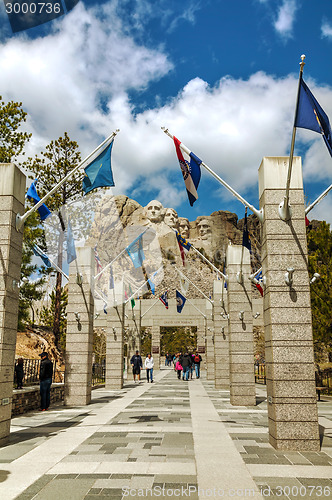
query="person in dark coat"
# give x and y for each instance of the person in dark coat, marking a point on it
(186, 363)
(136, 363)
(45, 379)
(19, 372)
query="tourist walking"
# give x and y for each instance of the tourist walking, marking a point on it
(148, 363)
(178, 367)
(136, 363)
(186, 364)
(197, 363)
(19, 373)
(45, 380)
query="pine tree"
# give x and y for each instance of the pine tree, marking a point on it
(33, 277)
(12, 141)
(59, 158)
(320, 261)
(47, 315)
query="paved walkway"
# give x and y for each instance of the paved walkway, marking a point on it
(167, 439)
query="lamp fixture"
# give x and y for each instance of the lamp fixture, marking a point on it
(315, 277)
(241, 315)
(289, 276)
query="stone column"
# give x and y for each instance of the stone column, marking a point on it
(292, 406)
(12, 188)
(209, 350)
(79, 337)
(155, 346)
(114, 348)
(221, 344)
(241, 342)
(201, 342)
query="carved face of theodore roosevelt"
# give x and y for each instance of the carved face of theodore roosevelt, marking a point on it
(184, 227)
(154, 211)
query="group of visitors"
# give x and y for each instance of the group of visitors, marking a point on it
(186, 364)
(137, 364)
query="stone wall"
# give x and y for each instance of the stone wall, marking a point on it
(28, 399)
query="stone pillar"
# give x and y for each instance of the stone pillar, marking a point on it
(221, 344)
(114, 348)
(12, 188)
(155, 346)
(241, 341)
(292, 406)
(79, 337)
(209, 350)
(201, 343)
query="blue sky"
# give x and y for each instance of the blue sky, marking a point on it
(221, 75)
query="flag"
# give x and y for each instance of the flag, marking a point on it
(246, 236)
(104, 307)
(32, 195)
(307, 222)
(258, 282)
(311, 116)
(99, 172)
(71, 251)
(191, 172)
(111, 280)
(152, 283)
(135, 251)
(132, 300)
(98, 262)
(37, 251)
(184, 246)
(184, 284)
(164, 299)
(224, 272)
(180, 301)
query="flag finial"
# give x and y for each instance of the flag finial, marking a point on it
(302, 63)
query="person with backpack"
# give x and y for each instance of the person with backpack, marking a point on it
(197, 363)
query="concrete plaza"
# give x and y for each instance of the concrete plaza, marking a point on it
(168, 439)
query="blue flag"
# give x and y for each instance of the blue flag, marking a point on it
(246, 236)
(152, 283)
(163, 298)
(71, 251)
(135, 251)
(311, 116)
(99, 172)
(180, 301)
(37, 251)
(111, 280)
(191, 172)
(32, 194)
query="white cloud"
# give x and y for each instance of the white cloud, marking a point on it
(64, 77)
(326, 30)
(286, 17)
(322, 211)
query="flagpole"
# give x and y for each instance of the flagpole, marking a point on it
(57, 268)
(121, 253)
(193, 284)
(258, 213)
(20, 219)
(210, 263)
(133, 295)
(310, 207)
(150, 307)
(196, 307)
(285, 211)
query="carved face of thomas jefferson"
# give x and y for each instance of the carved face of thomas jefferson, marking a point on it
(171, 218)
(154, 211)
(184, 227)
